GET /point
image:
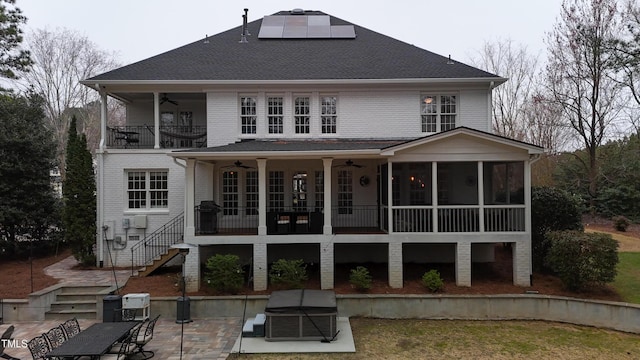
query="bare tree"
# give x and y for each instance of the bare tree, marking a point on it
(63, 58)
(580, 75)
(505, 59)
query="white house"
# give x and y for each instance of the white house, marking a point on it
(301, 135)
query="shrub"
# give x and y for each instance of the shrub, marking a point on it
(224, 273)
(582, 259)
(621, 223)
(360, 278)
(432, 280)
(289, 274)
(552, 209)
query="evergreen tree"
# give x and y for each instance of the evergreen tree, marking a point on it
(28, 207)
(79, 188)
(12, 57)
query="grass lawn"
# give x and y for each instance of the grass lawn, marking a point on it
(627, 282)
(446, 339)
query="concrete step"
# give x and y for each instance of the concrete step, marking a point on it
(62, 315)
(89, 289)
(76, 297)
(74, 305)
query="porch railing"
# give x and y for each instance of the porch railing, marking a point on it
(158, 242)
(143, 137)
(458, 218)
(405, 219)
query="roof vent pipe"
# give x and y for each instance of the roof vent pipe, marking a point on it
(245, 31)
(297, 11)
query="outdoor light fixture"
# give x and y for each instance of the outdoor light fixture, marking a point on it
(183, 249)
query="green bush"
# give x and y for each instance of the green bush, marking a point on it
(552, 209)
(621, 223)
(290, 274)
(432, 280)
(360, 278)
(224, 273)
(582, 259)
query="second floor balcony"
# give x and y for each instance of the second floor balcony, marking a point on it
(143, 137)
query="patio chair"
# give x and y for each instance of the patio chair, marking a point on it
(55, 336)
(38, 346)
(146, 336)
(71, 328)
(127, 347)
(6, 336)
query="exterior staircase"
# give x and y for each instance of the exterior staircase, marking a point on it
(77, 301)
(158, 262)
(155, 250)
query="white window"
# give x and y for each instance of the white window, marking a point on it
(251, 190)
(147, 189)
(329, 114)
(274, 115)
(345, 192)
(438, 112)
(230, 192)
(276, 190)
(301, 112)
(248, 114)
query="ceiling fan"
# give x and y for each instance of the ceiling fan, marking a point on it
(237, 165)
(350, 163)
(165, 99)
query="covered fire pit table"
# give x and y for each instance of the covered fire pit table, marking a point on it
(301, 315)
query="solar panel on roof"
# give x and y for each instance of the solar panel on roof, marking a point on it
(343, 31)
(303, 27)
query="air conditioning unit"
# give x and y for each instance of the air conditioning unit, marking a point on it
(140, 221)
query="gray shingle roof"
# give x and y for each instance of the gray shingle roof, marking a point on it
(301, 145)
(369, 56)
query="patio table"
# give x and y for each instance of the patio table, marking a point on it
(94, 341)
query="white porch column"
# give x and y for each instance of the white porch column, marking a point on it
(395, 265)
(521, 263)
(463, 263)
(327, 229)
(192, 269)
(260, 277)
(156, 120)
(262, 196)
(390, 226)
(527, 213)
(189, 201)
(434, 195)
(327, 272)
(480, 183)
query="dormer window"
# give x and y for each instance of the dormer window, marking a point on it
(438, 112)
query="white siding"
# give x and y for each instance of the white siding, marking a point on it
(474, 110)
(115, 199)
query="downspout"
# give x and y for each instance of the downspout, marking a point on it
(101, 236)
(490, 107)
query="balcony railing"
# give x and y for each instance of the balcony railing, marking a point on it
(143, 137)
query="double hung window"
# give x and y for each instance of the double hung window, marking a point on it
(147, 189)
(301, 111)
(274, 115)
(329, 114)
(438, 112)
(248, 115)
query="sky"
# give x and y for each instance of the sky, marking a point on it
(135, 29)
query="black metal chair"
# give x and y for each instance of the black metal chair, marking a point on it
(125, 349)
(55, 336)
(146, 336)
(39, 347)
(71, 328)
(6, 335)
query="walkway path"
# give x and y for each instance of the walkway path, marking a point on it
(64, 271)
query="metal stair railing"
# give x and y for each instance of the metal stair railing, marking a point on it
(157, 243)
